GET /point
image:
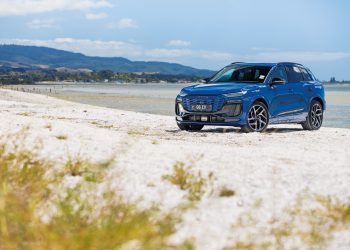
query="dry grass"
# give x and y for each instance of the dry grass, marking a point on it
(25, 186)
(48, 126)
(186, 179)
(91, 172)
(61, 137)
(226, 192)
(25, 114)
(137, 131)
(102, 125)
(310, 224)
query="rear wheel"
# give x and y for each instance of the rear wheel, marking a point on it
(315, 117)
(189, 127)
(258, 118)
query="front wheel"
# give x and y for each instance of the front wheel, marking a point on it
(189, 127)
(315, 117)
(257, 119)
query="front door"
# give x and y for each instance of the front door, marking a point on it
(281, 99)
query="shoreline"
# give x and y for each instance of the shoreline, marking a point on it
(274, 168)
(159, 98)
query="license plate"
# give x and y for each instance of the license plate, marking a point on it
(201, 107)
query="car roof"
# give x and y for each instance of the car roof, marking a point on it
(266, 64)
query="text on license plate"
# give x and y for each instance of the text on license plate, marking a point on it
(201, 107)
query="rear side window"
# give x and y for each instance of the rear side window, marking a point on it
(306, 75)
(294, 74)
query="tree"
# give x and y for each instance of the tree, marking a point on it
(105, 74)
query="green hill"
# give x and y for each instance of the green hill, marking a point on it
(18, 56)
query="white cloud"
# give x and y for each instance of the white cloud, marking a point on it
(88, 47)
(179, 43)
(178, 53)
(42, 23)
(24, 7)
(96, 16)
(168, 53)
(124, 23)
(298, 56)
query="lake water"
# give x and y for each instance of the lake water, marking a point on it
(159, 98)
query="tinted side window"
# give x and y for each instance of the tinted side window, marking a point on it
(255, 74)
(294, 74)
(306, 75)
(279, 72)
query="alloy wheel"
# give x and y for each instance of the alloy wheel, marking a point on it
(257, 118)
(316, 115)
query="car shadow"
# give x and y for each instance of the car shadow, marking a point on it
(223, 130)
(283, 130)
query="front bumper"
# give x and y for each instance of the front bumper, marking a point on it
(229, 114)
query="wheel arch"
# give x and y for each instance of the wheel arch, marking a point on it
(319, 100)
(260, 99)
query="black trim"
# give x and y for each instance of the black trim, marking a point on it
(289, 112)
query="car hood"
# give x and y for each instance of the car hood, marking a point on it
(219, 88)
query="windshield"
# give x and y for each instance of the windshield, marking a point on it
(240, 73)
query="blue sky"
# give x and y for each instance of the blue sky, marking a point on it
(200, 33)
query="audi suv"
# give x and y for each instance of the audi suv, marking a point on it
(252, 96)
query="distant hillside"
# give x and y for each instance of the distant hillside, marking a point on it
(18, 56)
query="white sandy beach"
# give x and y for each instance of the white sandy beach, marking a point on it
(272, 168)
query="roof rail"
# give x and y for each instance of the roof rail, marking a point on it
(236, 62)
(289, 63)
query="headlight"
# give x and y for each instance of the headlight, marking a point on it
(181, 108)
(182, 93)
(236, 94)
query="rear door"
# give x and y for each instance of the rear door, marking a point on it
(297, 89)
(306, 90)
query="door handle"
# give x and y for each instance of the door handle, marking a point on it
(290, 90)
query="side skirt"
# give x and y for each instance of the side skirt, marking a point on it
(295, 118)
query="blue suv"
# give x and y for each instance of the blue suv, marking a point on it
(251, 96)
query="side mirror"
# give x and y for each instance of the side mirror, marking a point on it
(277, 81)
(206, 79)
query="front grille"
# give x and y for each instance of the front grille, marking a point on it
(215, 100)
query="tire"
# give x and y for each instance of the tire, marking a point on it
(189, 127)
(257, 118)
(314, 118)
